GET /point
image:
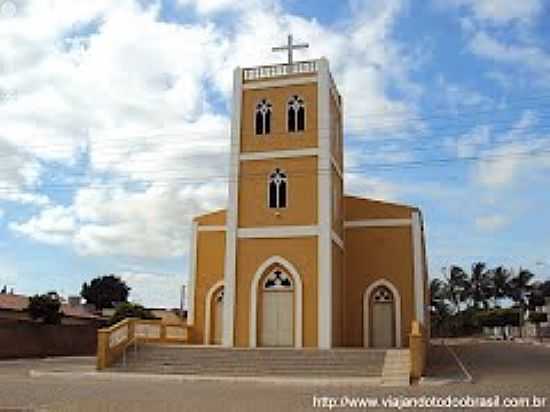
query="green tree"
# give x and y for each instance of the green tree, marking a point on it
(520, 286)
(130, 310)
(501, 284)
(478, 287)
(46, 308)
(105, 291)
(457, 281)
(440, 311)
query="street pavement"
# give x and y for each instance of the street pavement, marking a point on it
(497, 368)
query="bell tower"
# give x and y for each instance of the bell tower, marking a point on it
(286, 197)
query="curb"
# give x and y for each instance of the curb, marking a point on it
(467, 374)
(368, 381)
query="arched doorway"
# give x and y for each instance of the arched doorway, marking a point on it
(277, 309)
(217, 317)
(382, 315)
(265, 283)
(213, 314)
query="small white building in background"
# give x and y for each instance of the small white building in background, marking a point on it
(545, 309)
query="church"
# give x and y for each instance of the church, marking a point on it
(293, 261)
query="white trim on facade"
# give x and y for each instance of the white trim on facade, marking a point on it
(324, 252)
(377, 223)
(298, 308)
(280, 82)
(277, 232)
(232, 213)
(208, 311)
(366, 311)
(212, 228)
(418, 267)
(192, 276)
(336, 167)
(279, 154)
(337, 239)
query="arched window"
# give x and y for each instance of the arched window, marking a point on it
(296, 115)
(263, 117)
(277, 189)
(278, 279)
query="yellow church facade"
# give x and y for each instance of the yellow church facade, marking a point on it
(293, 261)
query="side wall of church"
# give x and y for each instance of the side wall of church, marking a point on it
(251, 254)
(210, 262)
(374, 253)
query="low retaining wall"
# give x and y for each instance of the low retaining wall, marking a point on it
(113, 341)
(24, 339)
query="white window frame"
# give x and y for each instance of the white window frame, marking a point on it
(264, 114)
(277, 200)
(287, 109)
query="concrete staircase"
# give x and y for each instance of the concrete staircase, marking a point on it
(345, 363)
(397, 366)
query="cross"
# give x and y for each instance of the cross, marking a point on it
(290, 47)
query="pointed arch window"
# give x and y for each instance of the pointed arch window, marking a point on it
(278, 280)
(262, 117)
(296, 115)
(277, 189)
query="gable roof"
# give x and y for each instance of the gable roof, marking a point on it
(20, 303)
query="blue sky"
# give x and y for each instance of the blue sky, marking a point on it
(114, 126)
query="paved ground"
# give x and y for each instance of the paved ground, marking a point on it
(504, 369)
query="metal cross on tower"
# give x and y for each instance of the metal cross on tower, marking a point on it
(290, 47)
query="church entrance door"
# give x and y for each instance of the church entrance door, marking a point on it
(277, 318)
(217, 312)
(382, 322)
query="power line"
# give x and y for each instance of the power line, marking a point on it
(295, 173)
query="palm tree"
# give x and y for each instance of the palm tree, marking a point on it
(479, 286)
(520, 286)
(456, 286)
(440, 311)
(501, 284)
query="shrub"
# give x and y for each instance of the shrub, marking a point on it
(130, 310)
(45, 307)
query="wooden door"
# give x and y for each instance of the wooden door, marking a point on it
(277, 319)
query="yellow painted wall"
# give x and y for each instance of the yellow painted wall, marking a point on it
(210, 269)
(371, 254)
(302, 253)
(360, 209)
(279, 139)
(302, 192)
(216, 218)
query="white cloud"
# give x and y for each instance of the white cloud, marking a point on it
(471, 143)
(491, 223)
(520, 153)
(530, 62)
(499, 11)
(54, 225)
(153, 290)
(218, 6)
(124, 102)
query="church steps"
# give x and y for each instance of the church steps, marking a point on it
(337, 363)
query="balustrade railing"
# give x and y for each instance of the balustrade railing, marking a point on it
(278, 70)
(113, 341)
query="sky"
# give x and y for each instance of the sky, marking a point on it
(114, 126)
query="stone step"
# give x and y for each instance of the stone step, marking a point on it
(338, 363)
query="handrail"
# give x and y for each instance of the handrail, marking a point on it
(112, 342)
